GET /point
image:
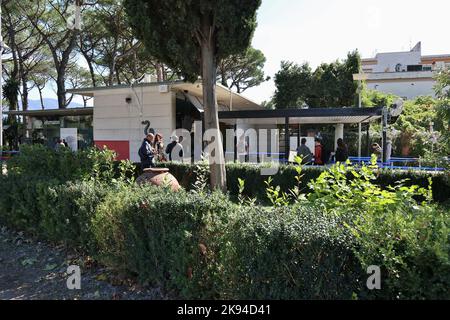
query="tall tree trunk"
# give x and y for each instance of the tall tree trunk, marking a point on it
(41, 97)
(160, 72)
(24, 94)
(223, 76)
(61, 90)
(217, 167)
(91, 71)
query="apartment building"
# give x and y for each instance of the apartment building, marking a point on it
(406, 74)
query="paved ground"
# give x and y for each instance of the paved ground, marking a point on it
(32, 270)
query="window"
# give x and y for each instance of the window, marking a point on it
(412, 68)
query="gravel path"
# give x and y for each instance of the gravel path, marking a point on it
(33, 270)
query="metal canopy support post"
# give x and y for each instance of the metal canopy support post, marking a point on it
(235, 156)
(359, 124)
(368, 139)
(359, 139)
(286, 137)
(384, 127)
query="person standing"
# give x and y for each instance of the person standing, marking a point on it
(377, 150)
(341, 151)
(175, 150)
(147, 152)
(304, 152)
(159, 148)
(318, 153)
(59, 144)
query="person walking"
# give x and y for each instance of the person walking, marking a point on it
(341, 151)
(147, 152)
(304, 152)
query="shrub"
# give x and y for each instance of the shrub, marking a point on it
(64, 165)
(292, 252)
(165, 239)
(202, 245)
(19, 205)
(67, 210)
(391, 230)
(185, 174)
(207, 247)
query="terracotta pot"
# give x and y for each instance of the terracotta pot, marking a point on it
(158, 177)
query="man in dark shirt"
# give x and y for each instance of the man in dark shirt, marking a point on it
(147, 152)
(304, 152)
(341, 151)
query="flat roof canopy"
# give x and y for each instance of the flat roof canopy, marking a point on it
(303, 116)
(225, 97)
(88, 111)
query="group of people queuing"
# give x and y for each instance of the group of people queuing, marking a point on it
(152, 150)
(321, 156)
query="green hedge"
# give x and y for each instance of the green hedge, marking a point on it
(255, 186)
(232, 252)
(210, 248)
(203, 245)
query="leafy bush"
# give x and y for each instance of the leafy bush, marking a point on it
(409, 241)
(285, 179)
(203, 245)
(19, 201)
(167, 240)
(67, 210)
(63, 165)
(292, 252)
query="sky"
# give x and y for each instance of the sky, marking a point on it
(317, 31)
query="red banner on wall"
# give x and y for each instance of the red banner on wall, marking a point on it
(122, 148)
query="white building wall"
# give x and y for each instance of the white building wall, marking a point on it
(388, 61)
(116, 120)
(405, 89)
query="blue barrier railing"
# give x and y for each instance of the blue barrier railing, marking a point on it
(5, 155)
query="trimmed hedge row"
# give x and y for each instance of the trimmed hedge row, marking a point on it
(197, 244)
(255, 187)
(191, 245)
(206, 247)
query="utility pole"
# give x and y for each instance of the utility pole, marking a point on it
(360, 77)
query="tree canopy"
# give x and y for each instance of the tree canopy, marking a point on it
(443, 107)
(243, 71)
(193, 37)
(172, 31)
(330, 85)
